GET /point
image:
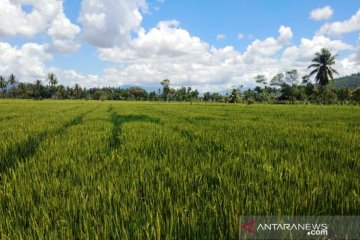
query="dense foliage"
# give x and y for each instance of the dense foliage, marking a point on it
(283, 88)
(139, 170)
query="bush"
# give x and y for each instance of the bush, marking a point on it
(324, 96)
(356, 95)
(250, 101)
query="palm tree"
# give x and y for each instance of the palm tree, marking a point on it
(12, 80)
(3, 84)
(166, 88)
(261, 79)
(53, 80)
(322, 63)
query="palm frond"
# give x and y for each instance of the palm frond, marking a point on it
(333, 70)
(314, 65)
(313, 72)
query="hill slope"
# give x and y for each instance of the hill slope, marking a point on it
(352, 81)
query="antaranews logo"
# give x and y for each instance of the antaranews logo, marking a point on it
(311, 229)
(250, 226)
(299, 227)
(295, 227)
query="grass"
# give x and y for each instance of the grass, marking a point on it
(127, 170)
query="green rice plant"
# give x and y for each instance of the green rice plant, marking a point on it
(139, 170)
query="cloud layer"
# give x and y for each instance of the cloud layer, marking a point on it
(338, 28)
(45, 15)
(137, 56)
(27, 61)
(109, 23)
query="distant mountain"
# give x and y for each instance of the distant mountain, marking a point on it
(352, 81)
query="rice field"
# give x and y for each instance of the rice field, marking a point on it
(140, 170)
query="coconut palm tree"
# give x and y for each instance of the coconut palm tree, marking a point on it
(12, 80)
(323, 63)
(53, 80)
(3, 84)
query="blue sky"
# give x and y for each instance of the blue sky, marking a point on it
(260, 18)
(139, 42)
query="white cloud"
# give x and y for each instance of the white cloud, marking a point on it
(109, 23)
(300, 56)
(308, 47)
(221, 37)
(240, 36)
(350, 64)
(64, 35)
(321, 13)
(71, 77)
(168, 41)
(168, 51)
(164, 41)
(207, 68)
(164, 51)
(268, 47)
(15, 21)
(44, 15)
(358, 52)
(26, 62)
(338, 28)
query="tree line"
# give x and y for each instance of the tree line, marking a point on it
(11, 88)
(286, 87)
